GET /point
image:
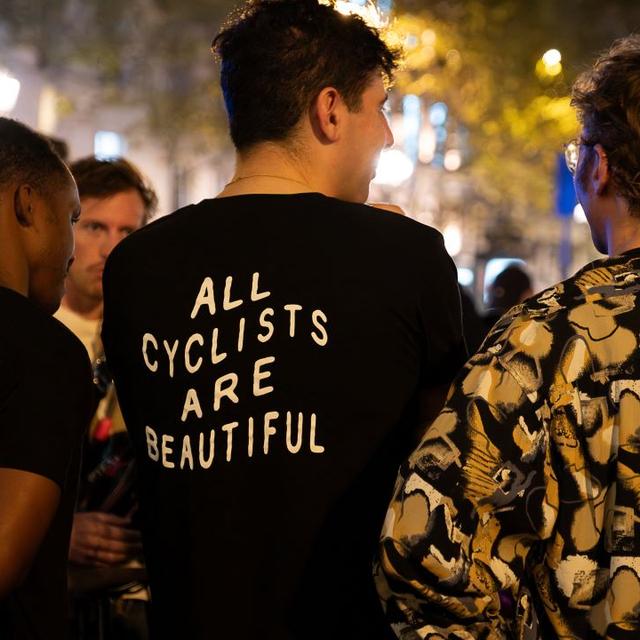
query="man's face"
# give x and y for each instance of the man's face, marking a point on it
(367, 134)
(50, 249)
(103, 224)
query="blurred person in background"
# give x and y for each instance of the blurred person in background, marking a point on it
(46, 396)
(107, 576)
(518, 514)
(272, 346)
(511, 286)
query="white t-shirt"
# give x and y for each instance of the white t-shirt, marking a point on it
(87, 331)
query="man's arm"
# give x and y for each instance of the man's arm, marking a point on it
(468, 505)
(445, 349)
(28, 503)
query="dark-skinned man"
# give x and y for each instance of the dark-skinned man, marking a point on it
(45, 385)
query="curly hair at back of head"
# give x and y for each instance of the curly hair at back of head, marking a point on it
(104, 178)
(607, 98)
(277, 55)
(27, 157)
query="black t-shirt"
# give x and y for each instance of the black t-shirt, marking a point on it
(46, 399)
(268, 353)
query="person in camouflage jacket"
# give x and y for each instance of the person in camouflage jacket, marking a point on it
(518, 514)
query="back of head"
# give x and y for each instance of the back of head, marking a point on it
(60, 147)
(104, 178)
(38, 201)
(277, 55)
(509, 288)
(26, 157)
(607, 98)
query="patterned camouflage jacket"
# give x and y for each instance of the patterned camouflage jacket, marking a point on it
(518, 514)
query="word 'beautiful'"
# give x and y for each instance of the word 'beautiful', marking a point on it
(200, 449)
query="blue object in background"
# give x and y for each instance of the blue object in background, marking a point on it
(412, 122)
(438, 114)
(566, 202)
(565, 192)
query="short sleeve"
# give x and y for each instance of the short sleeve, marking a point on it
(45, 404)
(441, 318)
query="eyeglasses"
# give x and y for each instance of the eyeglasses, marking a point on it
(572, 153)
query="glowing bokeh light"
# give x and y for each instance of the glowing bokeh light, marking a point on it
(9, 92)
(452, 239)
(452, 160)
(579, 215)
(552, 57)
(394, 168)
(369, 12)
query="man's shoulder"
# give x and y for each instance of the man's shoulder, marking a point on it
(235, 215)
(165, 224)
(401, 237)
(389, 221)
(593, 284)
(590, 306)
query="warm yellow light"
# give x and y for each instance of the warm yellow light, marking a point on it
(429, 37)
(552, 58)
(549, 65)
(368, 12)
(554, 69)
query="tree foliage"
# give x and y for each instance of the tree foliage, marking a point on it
(478, 56)
(482, 59)
(153, 55)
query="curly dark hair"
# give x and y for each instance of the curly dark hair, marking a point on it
(103, 178)
(607, 98)
(277, 55)
(26, 157)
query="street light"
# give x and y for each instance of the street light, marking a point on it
(550, 64)
(552, 57)
(9, 91)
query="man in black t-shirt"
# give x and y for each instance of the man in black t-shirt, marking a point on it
(272, 347)
(45, 386)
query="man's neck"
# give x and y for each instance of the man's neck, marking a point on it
(270, 168)
(86, 308)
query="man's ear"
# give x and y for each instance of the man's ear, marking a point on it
(600, 174)
(24, 205)
(327, 113)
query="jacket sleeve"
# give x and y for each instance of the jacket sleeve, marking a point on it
(469, 503)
